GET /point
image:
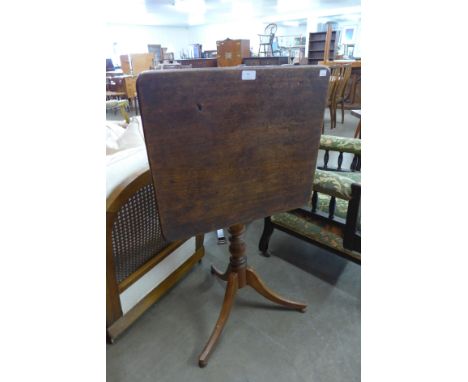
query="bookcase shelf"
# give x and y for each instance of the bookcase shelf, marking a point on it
(317, 47)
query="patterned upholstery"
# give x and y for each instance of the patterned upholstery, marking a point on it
(341, 207)
(327, 184)
(302, 223)
(116, 103)
(334, 183)
(120, 104)
(342, 144)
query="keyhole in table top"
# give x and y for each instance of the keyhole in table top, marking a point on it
(199, 106)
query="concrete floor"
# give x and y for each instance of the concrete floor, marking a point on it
(261, 341)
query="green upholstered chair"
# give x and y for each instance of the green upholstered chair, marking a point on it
(120, 104)
(331, 219)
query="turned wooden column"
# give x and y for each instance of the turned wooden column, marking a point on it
(238, 260)
(238, 275)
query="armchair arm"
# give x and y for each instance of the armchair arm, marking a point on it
(333, 184)
(341, 144)
(341, 187)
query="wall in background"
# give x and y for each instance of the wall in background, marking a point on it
(129, 38)
(125, 39)
(207, 35)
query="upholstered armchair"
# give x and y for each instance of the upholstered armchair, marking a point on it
(331, 219)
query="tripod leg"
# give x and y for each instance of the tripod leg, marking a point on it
(255, 282)
(222, 276)
(231, 290)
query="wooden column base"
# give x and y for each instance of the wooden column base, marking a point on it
(238, 275)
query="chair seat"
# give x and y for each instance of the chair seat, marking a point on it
(342, 144)
(300, 222)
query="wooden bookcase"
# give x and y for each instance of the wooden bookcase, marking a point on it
(316, 51)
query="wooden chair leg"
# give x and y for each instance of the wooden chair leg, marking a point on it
(342, 112)
(357, 133)
(265, 239)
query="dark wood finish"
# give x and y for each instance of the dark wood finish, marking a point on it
(259, 61)
(223, 150)
(239, 275)
(345, 228)
(269, 228)
(242, 143)
(314, 201)
(317, 47)
(326, 158)
(331, 207)
(199, 62)
(351, 237)
(116, 321)
(231, 52)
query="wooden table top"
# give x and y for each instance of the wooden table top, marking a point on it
(231, 145)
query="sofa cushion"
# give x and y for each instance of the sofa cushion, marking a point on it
(123, 164)
(130, 137)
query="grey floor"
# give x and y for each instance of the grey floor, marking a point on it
(261, 341)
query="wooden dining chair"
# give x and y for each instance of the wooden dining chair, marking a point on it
(332, 85)
(339, 97)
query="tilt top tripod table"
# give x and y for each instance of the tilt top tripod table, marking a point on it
(231, 145)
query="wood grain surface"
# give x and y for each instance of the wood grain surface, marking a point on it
(223, 150)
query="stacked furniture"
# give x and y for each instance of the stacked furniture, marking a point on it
(331, 219)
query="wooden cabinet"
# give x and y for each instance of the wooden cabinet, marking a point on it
(231, 52)
(316, 51)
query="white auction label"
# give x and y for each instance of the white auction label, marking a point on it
(249, 74)
(323, 73)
